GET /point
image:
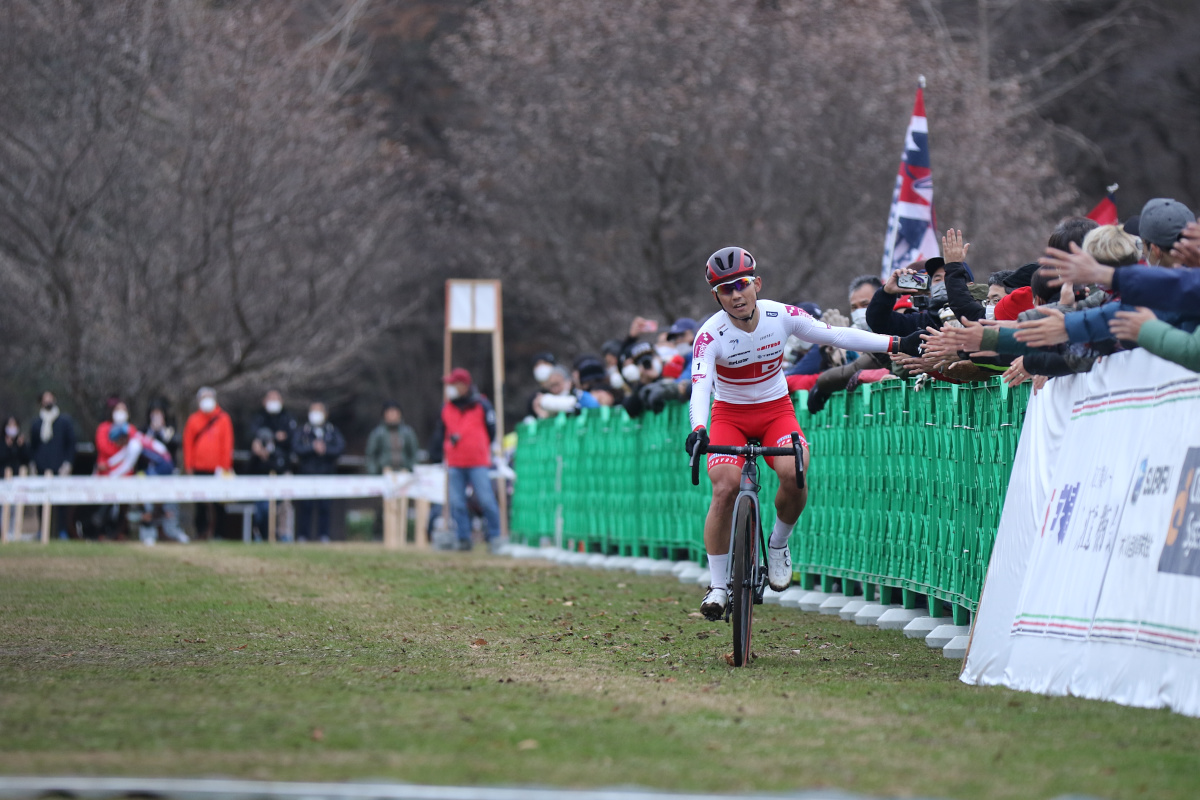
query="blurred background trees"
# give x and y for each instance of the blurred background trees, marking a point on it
(272, 193)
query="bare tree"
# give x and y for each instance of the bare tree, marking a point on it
(184, 198)
(618, 144)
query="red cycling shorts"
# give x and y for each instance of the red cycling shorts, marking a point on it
(771, 423)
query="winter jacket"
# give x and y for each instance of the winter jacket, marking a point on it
(393, 448)
(106, 448)
(465, 432)
(208, 442)
(882, 319)
(14, 454)
(308, 460)
(959, 295)
(1167, 341)
(1159, 287)
(59, 450)
(279, 457)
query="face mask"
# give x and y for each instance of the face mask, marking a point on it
(541, 373)
(937, 295)
(858, 319)
(631, 373)
(989, 312)
(273, 406)
(656, 366)
(614, 378)
(11, 431)
(452, 392)
(666, 352)
(120, 416)
(48, 406)
(316, 418)
(207, 404)
(684, 350)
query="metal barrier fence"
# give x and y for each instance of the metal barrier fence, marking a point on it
(905, 488)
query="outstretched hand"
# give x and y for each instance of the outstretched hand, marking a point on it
(1050, 330)
(1128, 324)
(953, 248)
(1187, 250)
(1076, 266)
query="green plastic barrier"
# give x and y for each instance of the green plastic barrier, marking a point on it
(905, 488)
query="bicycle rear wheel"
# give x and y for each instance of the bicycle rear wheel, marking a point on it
(744, 578)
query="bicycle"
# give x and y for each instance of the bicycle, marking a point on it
(748, 572)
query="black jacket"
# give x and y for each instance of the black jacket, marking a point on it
(308, 461)
(882, 319)
(959, 294)
(280, 458)
(13, 455)
(59, 450)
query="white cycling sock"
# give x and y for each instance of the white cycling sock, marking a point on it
(718, 568)
(780, 534)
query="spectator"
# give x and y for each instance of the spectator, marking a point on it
(1161, 225)
(649, 390)
(317, 445)
(208, 450)
(862, 289)
(881, 316)
(996, 290)
(163, 429)
(106, 447)
(835, 373)
(611, 352)
(543, 366)
(14, 450)
(592, 378)
(392, 445)
(680, 335)
(561, 396)
(271, 432)
(464, 438)
(140, 452)
(52, 439)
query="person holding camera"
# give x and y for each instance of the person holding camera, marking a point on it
(650, 390)
(465, 433)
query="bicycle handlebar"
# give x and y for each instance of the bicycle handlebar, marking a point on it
(750, 451)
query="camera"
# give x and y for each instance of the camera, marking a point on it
(920, 302)
(916, 281)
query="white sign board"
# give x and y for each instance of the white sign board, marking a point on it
(472, 306)
(1094, 584)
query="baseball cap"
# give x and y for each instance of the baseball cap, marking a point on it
(546, 356)
(639, 349)
(1162, 220)
(590, 370)
(682, 326)
(458, 375)
(812, 309)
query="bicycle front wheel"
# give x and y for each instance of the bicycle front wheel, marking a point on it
(744, 578)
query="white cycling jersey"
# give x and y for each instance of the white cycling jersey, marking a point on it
(748, 367)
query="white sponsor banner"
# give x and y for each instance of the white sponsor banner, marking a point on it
(428, 482)
(1094, 584)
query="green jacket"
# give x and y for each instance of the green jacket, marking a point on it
(379, 449)
(1173, 344)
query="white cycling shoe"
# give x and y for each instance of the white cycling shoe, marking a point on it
(779, 567)
(716, 600)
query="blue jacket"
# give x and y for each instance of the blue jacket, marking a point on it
(1091, 325)
(1159, 287)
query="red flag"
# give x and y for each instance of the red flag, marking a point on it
(1105, 212)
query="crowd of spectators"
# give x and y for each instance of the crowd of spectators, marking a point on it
(1095, 290)
(278, 444)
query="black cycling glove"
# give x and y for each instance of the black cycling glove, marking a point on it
(698, 436)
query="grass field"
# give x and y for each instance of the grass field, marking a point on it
(348, 662)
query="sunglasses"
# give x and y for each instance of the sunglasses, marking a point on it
(735, 285)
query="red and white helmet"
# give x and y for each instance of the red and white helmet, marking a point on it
(728, 263)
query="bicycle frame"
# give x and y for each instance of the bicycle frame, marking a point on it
(748, 489)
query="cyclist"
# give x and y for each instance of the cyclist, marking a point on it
(740, 350)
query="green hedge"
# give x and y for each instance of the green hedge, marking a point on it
(905, 487)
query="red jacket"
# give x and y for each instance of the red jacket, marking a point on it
(208, 442)
(468, 429)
